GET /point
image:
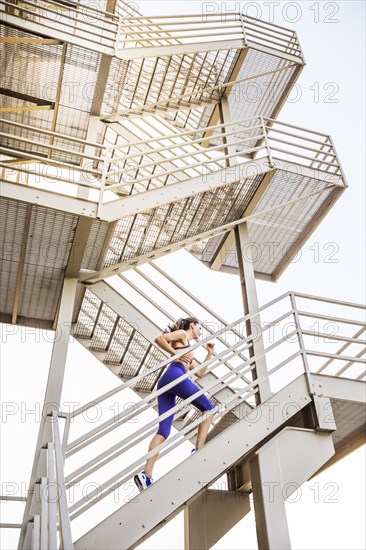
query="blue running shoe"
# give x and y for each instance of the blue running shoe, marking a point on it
(142, 481)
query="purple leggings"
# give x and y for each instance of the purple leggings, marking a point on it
(184, 389)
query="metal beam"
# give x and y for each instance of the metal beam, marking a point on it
(26, 108)
(126, 310)
(21, 40)
(215, 115)
(49, 199)
(178, 49)
(23, 249)
(31, 322)
(25, 97)
(53, 390)
(78, 246)
(339, 388)
(278, 469)
(208, 518)
(250, 305)
(58, 96)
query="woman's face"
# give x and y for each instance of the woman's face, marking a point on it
(196, 330)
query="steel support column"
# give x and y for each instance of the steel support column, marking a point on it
(250, 303)
(279, 468)
(53, 393)
(211, 516)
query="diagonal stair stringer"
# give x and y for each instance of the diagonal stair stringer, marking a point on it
(138, 519)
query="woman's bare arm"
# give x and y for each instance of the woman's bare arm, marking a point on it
(165, 340)
(210, 349)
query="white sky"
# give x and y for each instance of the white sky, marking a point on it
(334, 56)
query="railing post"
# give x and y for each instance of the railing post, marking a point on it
(64, 519)
(243, 27)
(301, 343)
(104, 177)
(53, 390)
(118, 35)
(52, 497)
(265, 136)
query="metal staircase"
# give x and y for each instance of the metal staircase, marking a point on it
(308, 409)
(168, 151)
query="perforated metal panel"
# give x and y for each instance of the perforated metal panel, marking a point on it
(47, 251)
(12, 217)
(48, 248)
(122, 343)
(95, 245)
(159, 227)
(273, 234)
(350, 419)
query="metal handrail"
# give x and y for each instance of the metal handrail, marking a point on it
(138, 31)
(133, 411)
(97, 26)
(50, 525)
(108, 167)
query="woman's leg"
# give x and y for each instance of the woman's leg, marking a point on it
(166, 401)
(203, 431)
(155, 442)
(187, 388)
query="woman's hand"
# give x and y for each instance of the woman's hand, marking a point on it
(210, 348)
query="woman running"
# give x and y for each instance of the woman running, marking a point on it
(177, 337)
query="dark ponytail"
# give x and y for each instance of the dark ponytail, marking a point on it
(182, 324)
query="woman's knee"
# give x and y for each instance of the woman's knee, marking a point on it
(164, 429)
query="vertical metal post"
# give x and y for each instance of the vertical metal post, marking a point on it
(64, 520)
(104, 177)
(83, 192)
(250, 303)
(225, 118)
(52, 497)
(118, 35)
(269, 153)
(53, 388)
(243, 27)
(44, 514)
(301, 343)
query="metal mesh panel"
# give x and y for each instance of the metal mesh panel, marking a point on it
(103, 329)
(157, 79)
(35, 70)
(228, 420)
(133, 358)
(95, 245)
(48, 249)
(262, 95)
(30, 69)
(147, 231)
(273, 233)
(154, 357)
(87, 315)
(259, 95)
(121, 338)
(281, 229)
(12, 216)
